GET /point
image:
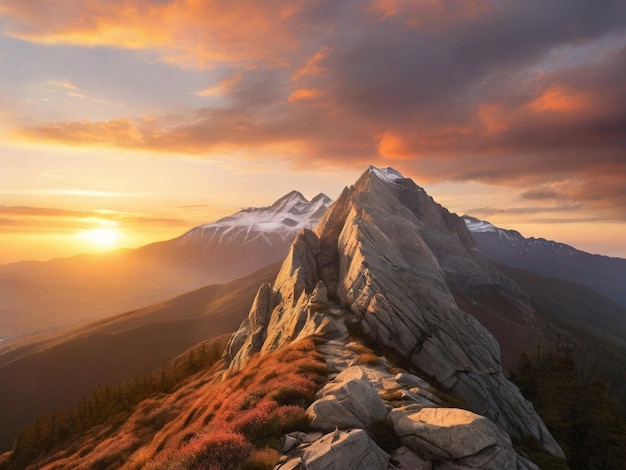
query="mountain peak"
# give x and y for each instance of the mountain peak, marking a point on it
(291, 197)
(389, 262)
(292, 212)
(260, 233)
(388, 174)
(549, 258)
(321, 197)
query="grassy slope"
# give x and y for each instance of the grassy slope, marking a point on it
(206, 421)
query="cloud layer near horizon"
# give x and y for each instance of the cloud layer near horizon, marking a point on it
(32, 219)
(517, 93)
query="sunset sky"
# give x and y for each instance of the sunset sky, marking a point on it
(141, 119)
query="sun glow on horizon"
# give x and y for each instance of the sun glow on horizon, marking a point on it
(102, 237)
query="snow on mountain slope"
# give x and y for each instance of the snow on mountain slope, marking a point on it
(273, 224)
(475, 225)
(390, 175)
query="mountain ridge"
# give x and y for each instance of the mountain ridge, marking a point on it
(284, 217)
(604, 274)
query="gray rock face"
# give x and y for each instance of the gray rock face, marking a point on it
(404, 458)
(386, 256)
(432, 436)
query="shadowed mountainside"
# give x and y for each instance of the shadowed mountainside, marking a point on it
(603, 274)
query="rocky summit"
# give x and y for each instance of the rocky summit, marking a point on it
(390, 268)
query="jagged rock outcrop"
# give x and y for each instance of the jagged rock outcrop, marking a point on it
(385, 260)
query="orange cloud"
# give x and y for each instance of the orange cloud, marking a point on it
(559, 99)
(304, 94)
(194, 134)
(494, 118)
(117, 133)
(20, 218)
(64, 84)
(391, 146)
(222, 87)
(431, 14)
(313, 66)
(190, 33)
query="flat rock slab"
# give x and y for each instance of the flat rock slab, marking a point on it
(444, 432)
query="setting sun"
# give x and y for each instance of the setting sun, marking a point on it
(102, 237)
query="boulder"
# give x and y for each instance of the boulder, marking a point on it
(345, 450)
(463, 438)
(347, 404)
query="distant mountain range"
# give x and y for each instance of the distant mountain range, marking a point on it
(604, 274)
(43, 296)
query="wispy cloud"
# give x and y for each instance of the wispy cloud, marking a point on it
(67, 88)
(488, 211)
(195, 206)
(71, 192)
(222, 88)
(190, 34)
(63, 84)
(46, 218)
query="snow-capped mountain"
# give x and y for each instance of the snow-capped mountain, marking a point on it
(604, 274)
(272, 225)
(247, 240)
